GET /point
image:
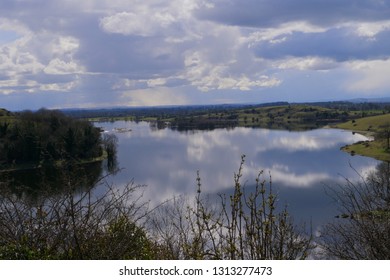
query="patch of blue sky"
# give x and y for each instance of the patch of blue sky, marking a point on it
(8, 36)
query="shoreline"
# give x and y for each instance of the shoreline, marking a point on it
(35, 166)
(369, 148)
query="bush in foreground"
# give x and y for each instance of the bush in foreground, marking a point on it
(247, 225)
(74, 226)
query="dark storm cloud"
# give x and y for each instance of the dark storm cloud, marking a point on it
(338, 44)
(268, 13)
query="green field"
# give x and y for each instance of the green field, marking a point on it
(368, 126)
(288, 117)
(291, 117)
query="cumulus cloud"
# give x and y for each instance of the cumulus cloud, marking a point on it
(58, 67)
(137, 23)
(25, 60)
(208, 76)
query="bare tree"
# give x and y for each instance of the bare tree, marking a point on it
(364, 231)
(110, 142)
(384, 134)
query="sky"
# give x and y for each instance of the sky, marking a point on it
(105, 53)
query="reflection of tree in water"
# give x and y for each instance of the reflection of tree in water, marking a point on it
(110, 143)
(52, 180)
(70, 176)
(364, 233)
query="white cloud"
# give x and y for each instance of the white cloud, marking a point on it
(155, 18)
(59, 87)
(207, 76)
(16, 62)
(60, 67)
(368, 76)
(284, 175)
(206, 68)
(134, 23)
(370, 29)
(275, 34)
(24, 63)
(152, 97)
(200, 147)
(16, 58)
(156, 82)
(306, 63)
(313, 140)
(67, 45)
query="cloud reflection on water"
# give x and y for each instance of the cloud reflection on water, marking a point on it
(300, 163)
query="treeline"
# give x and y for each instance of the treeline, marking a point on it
(171, 112)
(45, 135)
(140, 113)
(354, 106)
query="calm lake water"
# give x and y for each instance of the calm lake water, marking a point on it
(301, 164)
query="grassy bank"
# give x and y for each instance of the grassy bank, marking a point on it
(368, 126)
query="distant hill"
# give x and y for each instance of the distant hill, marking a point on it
(370, 100)
(5, 113)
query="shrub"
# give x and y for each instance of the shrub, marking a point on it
(75, 226)
(243, 226)
(364, 231)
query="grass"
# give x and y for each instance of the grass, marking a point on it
(368, 126)
(374, 149)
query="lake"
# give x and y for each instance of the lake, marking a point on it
(302, 164)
